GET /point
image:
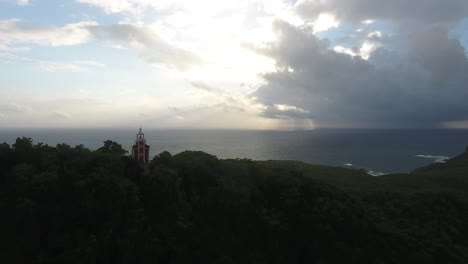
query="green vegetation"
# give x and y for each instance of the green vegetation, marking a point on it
(68, 204)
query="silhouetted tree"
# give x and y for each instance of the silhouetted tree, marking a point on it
(23, 144)
(112, 147)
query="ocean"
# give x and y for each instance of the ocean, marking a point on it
(376, 150)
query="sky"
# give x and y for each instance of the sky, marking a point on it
(234, 64)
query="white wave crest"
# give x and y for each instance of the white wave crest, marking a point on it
(376, 173)
(438, 159)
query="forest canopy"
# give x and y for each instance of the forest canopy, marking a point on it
(67, 204)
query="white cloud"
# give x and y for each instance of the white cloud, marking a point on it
(364, 51)
(212, 30)
(205, 8)
(456, 124)
(119, 47)
(8, 57)
(52, 66)
(284, 108)
(368, 22)
(12, 31)
(90, 63)
(141, 38)
(117, 6)
(14, 49)
(58, 66)
(149, 45)
(367, 48)
(324, 22)
(375, 34)
(23, 2)
(74, 66)
(341, 49)
(60, 115)
(18, 108)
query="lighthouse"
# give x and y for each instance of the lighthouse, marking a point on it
(140, 149)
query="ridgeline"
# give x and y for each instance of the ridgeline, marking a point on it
(68, 204)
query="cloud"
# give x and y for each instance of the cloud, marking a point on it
(214, 116)
(375, 34)
(173, 109)
(16, 108)
(58, 66)
(74, 66)
(460, 124)
(143, 39)
(357, 11)
(12, 31)
(23, 2)
(52, 66)
(416, 80)
(119, 47)
(205, 87)
(443, 57)
(237, 102)
(60, 115)
(118, 6)
(324, 22)
(148, 44)
(387, 63)
(279, 111)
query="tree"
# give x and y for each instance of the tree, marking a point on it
(63, 147)
(23, 144)
(163, 158)
(4, 147)
(112, 147)
(81, 148)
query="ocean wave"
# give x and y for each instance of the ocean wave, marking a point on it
(376, 173)
(370, 172)
(438, 159)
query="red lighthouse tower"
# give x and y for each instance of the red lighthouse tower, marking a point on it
(140, 149)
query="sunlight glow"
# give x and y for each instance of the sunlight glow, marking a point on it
(324, 22)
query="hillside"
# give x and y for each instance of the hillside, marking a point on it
(68, 204)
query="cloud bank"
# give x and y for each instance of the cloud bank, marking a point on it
(148, 45)
(427, 11)
(415, 76)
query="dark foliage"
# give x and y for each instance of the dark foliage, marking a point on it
(68, 204)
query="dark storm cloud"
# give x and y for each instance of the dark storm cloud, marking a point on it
(444, 58)
(417, 78)
(429, 11)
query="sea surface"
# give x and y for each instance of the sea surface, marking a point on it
(376, 150)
